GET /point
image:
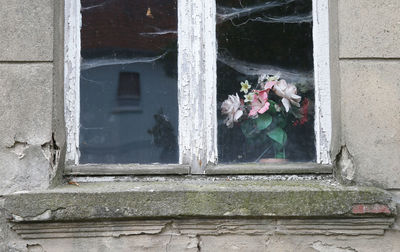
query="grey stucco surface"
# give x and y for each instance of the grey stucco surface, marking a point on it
(365, 60)
(26, 125)
(28, 28)
(371, 119)
(369, 28)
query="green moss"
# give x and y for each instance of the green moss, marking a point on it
(195, 199)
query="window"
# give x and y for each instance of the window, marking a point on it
(128, 95)
(172, 64)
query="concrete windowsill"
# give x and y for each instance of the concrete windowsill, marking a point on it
(198, 199)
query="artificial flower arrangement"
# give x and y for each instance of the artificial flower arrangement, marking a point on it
(266, 111)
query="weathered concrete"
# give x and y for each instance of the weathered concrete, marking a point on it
(193, 235)
(25, 120)
(371, 119)
(173, 242)
(197, 199)
(26, 30)
(365, 118)
(26, 102)
(369, 28)
(233, 243)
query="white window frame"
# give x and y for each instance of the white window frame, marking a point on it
(197, 78)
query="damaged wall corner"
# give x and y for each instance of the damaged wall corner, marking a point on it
(345, 169)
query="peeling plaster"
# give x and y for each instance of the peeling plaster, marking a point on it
(34, 248)
(45, 216)
(51, 152)
(19, 148)
(324, 247)
(345, 168)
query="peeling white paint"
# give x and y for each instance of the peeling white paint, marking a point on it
(197, 84)
(323, 114)
(197, 88)
(72, 61)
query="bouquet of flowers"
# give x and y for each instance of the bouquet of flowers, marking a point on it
(266, 111)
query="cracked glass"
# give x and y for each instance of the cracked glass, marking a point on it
(128, 85)
(265, 81)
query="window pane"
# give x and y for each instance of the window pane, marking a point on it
(265, 56)
(129, 111)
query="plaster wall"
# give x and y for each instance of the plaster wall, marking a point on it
(369, 62)
(365, 62)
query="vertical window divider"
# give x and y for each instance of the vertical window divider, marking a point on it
(323, 114)
(72, 62)
(197, 84)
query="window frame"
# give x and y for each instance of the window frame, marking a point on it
(197, 91)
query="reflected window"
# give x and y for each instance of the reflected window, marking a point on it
(128, 95)
(128, 85)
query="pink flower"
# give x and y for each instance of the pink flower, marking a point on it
(260, 103)
(267, 82)
(269, 85)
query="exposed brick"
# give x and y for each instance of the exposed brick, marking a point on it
(371, 209)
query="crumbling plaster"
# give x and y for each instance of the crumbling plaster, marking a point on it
(365, 92)
(32, 133)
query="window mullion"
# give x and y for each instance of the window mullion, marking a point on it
(197, 84)
(71, 78)
(323, 113)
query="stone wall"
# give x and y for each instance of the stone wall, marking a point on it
(365, 61)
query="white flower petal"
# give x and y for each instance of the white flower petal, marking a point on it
(238, 114)
(286, 104)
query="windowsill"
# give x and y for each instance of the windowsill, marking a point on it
(199, 199)
(176, 169)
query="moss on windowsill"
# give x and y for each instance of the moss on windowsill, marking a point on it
(195, 199)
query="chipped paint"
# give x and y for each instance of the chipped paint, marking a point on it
(72, 63)
(323, 114)
(197, 84)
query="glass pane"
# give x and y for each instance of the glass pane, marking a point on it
(129, 108)
(265, 81)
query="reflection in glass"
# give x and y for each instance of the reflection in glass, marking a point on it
(129, 110)
(265, 81)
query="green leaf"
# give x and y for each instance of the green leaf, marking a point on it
(281, 122)
(247, 128)
(278, 135)
(263, 121)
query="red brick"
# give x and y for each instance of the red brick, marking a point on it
(370, 209)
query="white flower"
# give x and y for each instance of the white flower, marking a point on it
(231, 108)
(288, 92)
(249, 97)
(273, 78)
(245, 86)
